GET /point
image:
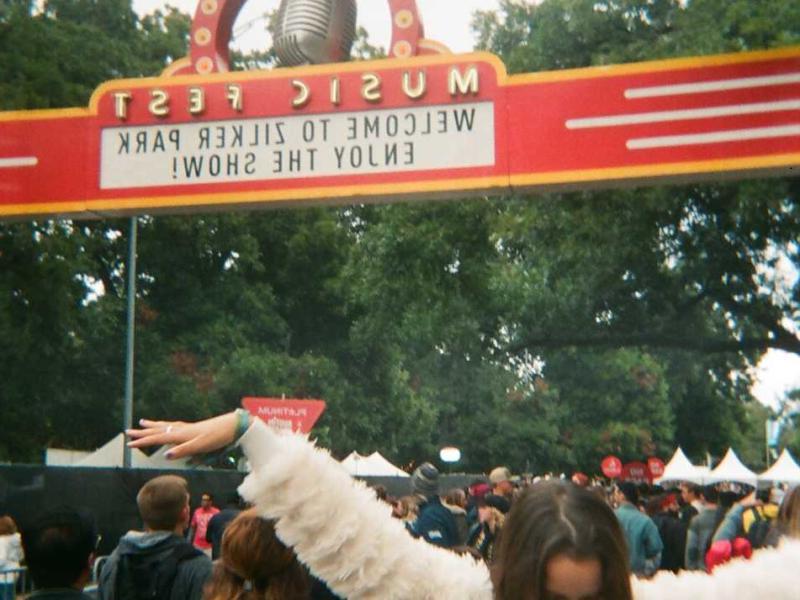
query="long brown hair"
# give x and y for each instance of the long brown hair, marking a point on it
(552, 518)
(789, 514)
(255, 565)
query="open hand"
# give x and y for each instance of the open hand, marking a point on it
(188, 438)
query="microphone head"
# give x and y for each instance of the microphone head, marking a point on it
(315, 31)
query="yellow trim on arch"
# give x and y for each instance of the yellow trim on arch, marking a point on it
(670, 64)
(176, 65)
(434, 46)
(53, 208)
(659, 170)
(44, 113)
(251, 197)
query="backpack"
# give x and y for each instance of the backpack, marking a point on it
(150, 576)
(759, 529)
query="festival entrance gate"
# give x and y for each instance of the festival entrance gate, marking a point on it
(423, 124)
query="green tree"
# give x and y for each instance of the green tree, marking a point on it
(62, 346)
(537, 332)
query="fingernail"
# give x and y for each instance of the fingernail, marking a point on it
(169, 454)
(141, 421)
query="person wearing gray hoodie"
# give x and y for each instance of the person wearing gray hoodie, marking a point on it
(157, 562)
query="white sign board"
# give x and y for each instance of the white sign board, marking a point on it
(350, 143)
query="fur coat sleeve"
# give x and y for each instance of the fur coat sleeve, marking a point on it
(340, 530)
(770, 573)
(346, 537)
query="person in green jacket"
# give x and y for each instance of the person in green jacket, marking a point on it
(641, 533)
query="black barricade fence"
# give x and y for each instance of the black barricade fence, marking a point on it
(110, 494)
(26, 491)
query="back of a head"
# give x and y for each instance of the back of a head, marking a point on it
(161, 502)
(710, 493)
(630, 491)
(7, 525)
(728, 499)
(58, 546)
(764, 494)
(554, 518)
(380, 492)
(456, 497)
(687, 493)
(253, 558)
(499, 474)
(425, 480)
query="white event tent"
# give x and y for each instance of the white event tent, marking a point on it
(732, 469)
(680, 469)
(374, 465)
(110, 455)
(785, 470)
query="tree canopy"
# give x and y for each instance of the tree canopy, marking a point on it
(541, 332)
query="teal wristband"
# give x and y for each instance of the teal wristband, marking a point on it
(242, 423)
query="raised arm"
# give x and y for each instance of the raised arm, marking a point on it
(335, 524)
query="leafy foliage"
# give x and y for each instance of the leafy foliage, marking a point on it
(542, 333)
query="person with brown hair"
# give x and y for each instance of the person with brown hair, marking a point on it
(406, 509)
(10, 556)
(255, 565)
(483, 535)
(157, 562)
(561, 541)
(354, 546)
(789, 514)
(456, 502)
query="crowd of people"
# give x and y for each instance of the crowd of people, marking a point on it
(310, 531)
(683, 527)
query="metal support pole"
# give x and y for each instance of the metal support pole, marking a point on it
(766, 443)
(127, 417)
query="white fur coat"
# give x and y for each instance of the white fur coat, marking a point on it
(768, 575)
(347, 538)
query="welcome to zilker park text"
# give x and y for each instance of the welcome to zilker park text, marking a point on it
(373, 141)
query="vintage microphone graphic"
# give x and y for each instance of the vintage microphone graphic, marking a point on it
(315, 31)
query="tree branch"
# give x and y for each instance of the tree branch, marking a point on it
(658, 340)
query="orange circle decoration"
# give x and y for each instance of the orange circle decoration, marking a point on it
(407, 30)
(209, 7)
(202, 36)
(212, 29)
(404, 19)
(204, 65)
(402, 49)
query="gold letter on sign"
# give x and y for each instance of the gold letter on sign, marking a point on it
(303, 94)
(159, 103)
(371, 90)
(235, 97)
(121, 100)
(336, 91)
(197, 101)
(415, 93)
(463, 84)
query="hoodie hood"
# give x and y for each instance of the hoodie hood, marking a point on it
(143, 542)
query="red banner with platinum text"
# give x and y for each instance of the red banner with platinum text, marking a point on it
(292, 415)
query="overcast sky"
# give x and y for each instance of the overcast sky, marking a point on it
(448, 22)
